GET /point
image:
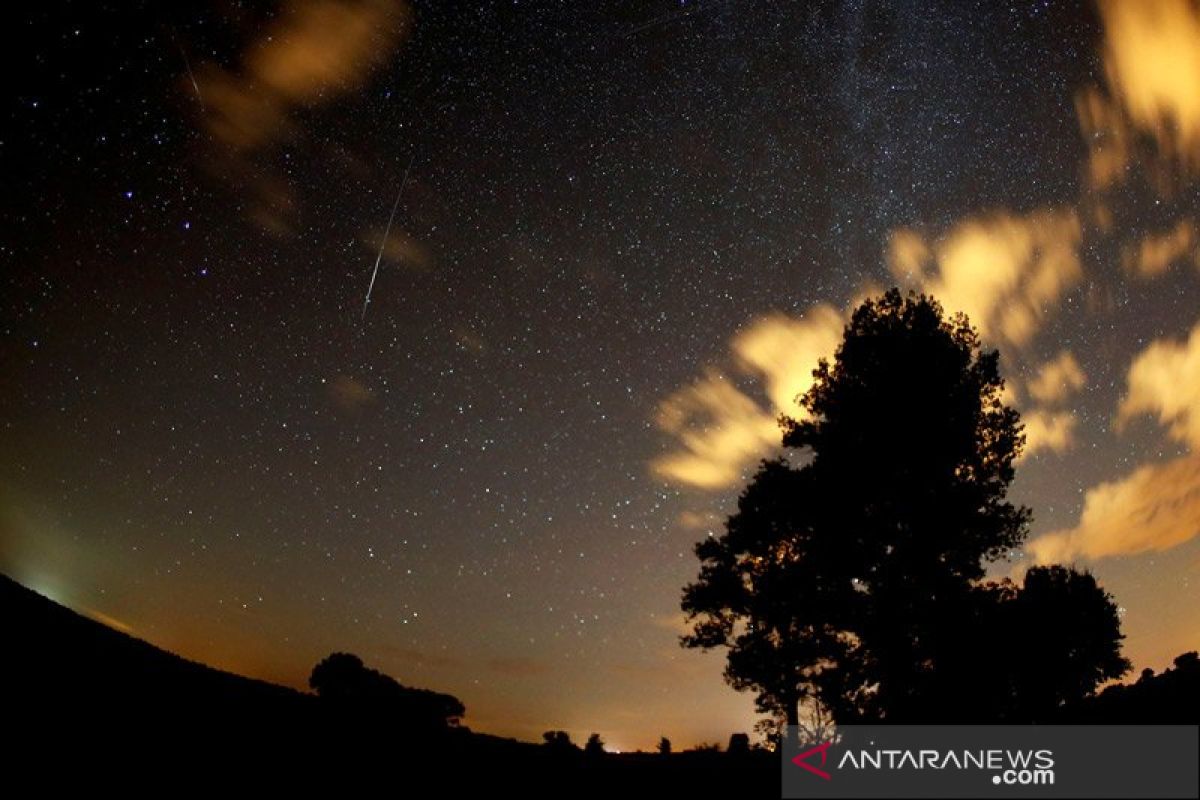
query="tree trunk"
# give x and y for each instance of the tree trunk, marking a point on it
(791, 735)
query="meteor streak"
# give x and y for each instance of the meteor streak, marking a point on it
(383, 242)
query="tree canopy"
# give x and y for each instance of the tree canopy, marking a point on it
(855, 581)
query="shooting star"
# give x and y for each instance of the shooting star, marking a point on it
(383, 243)
(188, 65)
(673, 17)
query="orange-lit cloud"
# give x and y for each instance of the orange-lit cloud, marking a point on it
(316, 51)
(350, 394)
(1157, 252)
(1048, 430)
(1057, 379)
(1108, 137)
(1151, 57)
(1004, 270)
(399, 248)
(1047, 427)
(784, 351)
(697, 520)
(719, 429)
(1157, 506)
(1164, 380)
(1154, 508)
(907, 254)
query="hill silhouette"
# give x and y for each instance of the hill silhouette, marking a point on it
(58, 657)
(88, 703)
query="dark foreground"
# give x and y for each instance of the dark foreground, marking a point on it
(87, 706)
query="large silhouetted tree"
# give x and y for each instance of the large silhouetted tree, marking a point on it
(342, 680)
(854, 581)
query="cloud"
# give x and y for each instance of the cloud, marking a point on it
(1004, 270)
(350, 394)
(1151, 55)
(1152, 509)
(698, 520)
(1157, 506)
(316, 51)
(784, 351)
(907, 254)
(1107, 134)
(1057, 379)
(1048, 430)
(676, 623)
(1164, 380)
(1157, 252)
(719, 429)
(399, 248)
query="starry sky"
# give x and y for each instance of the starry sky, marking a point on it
(627, 233)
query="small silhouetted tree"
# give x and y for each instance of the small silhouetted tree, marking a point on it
(664, 746)
(341, 676)
(559, 741)
(1070, 640)
(594, 746)
(853, 583)
(739, 744)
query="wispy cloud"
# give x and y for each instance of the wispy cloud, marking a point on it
(1164, 380)
(1157, 506)
(315, 52)
(1156, 252)
(1154, 508)
(1057, 379)
(1048, 430)
(1006, 271)
(718, 429)
(350, 394)
(1151, 57)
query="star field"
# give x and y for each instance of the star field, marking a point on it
(205, 440)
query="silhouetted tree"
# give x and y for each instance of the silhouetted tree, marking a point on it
(664, 746)
(1070, 640)
(594, 746)
(340, 676)
(739, 744)
(559, 741)
(851, 583)
(343, 679)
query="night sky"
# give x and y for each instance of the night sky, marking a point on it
(627, 233)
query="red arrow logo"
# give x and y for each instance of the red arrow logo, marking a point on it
(799, 760)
